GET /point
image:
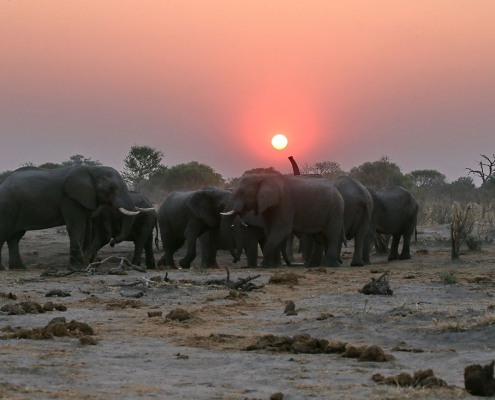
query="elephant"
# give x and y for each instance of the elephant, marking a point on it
(186, 215)
(291, 203)
(395, 212)
(110, 226)
(358, 207)
(35, 198)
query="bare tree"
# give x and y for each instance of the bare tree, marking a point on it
(488, 164)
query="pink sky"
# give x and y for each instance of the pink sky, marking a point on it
(213, 81)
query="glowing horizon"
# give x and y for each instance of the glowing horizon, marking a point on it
(214, 81)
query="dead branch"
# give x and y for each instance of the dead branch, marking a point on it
(241, 284)
(378, 286)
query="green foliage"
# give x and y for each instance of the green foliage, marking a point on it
(462, 190)
(427, 178)
(4, 175)
(381, 174)
(79, 159)
(141, 164)
(188, 176)
(50, 165)
(448, 276)
(329, 169)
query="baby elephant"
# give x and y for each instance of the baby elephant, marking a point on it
(109, 226)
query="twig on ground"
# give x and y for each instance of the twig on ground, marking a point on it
(242, 284)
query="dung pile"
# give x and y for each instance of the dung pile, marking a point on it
(57, 327)
(284, 278)
(306, 344)
(31, 307)
(479, 380)
(422, 378)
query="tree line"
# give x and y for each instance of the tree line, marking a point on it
(145, 172)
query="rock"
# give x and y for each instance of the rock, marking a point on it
(155, 314)
(289, 307)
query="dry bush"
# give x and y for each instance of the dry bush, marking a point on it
(485, 319)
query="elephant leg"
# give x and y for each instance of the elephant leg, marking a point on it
(148, 252)
(138, 252)
(100, 239)
(76, 223)
(289, 248)
(332, 236)
(406, 250)
(271, 250)
(15, 261)
(192, 233)
(251, 250)
(394, 248)
(317, 248)
(2, 241)
(359, 240)
(170, 245)
(209, 252)
(368, 241)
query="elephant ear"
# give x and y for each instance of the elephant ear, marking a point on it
(269, 193)
(80, 186)
(201, 204)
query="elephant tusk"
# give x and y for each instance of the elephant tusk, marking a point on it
(145, 210)
(243, 223)
(231, 212)
(127, 212)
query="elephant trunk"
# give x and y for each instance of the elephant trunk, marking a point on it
(295, 167)
(125, 231)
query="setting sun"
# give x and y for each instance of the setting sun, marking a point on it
(279, 142)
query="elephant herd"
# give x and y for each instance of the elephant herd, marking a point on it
(261, 211)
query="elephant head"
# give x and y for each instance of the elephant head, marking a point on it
(208, 203)
(256, 192)
(94, 186)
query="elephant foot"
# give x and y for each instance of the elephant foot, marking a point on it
(332, 264)
(2, 268)
(393, 257)
(357, 264)
(163, 262)
(18, 267)
(185, 264)
(405, 257)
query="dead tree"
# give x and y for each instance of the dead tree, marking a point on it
(488, 163)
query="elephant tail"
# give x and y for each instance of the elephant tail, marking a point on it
(157, 241)
(344, 239)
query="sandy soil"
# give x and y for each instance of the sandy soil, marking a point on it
(425, 324)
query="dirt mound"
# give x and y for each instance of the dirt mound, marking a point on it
(179, 314)
(284, 278)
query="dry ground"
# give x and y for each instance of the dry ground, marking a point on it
(425, 324)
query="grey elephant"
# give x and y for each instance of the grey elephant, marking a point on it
(35, 198)
(395, 212)
(111, 226)
(358, 207)
(291, 203)
(186, 215)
